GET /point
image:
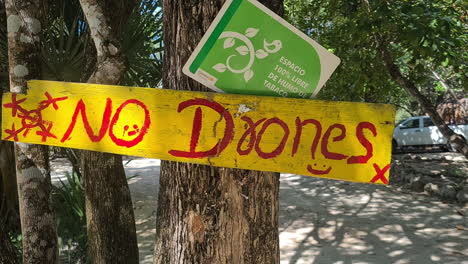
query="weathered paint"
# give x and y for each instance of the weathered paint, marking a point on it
(13, 23)
(338, 140)
(20, 71)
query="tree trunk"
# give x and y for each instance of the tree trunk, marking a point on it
(445, 85)
(9, 207)
(9, 212)
(457, 141)
(109, 210)
(208, 214)
(32, 161)
(8, 175)
(458, 104)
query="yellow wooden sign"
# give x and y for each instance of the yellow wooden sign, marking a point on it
(338, 140)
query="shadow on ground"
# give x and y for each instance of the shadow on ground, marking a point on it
(144, 186)
(326, 221)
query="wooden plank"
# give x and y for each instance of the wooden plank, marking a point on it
(338, 140)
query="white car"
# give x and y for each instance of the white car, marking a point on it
(420, 131)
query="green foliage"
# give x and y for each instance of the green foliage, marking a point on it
(456, 172)
(68, 53)
(142, 44)
(69, 205)
(66, 45)
(16, 239)
(401, 115)
(422, 35)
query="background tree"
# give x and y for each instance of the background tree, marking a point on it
(68, 54)
(9, 207)
(388, 47)
(109, 209)
(207, 214)
(32, 163)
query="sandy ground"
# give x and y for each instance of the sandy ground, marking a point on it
(324, 221)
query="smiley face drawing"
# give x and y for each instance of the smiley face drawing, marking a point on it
(319, 170)
(132, 124)
(132, 132)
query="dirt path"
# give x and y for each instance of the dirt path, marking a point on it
(324, 221)
(144, 189)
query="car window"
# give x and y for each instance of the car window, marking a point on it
(427, 122)
(413, 123)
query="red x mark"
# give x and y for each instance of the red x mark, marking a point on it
(31, 119)
(15, 105)
(45, 132)
(380, 174)
(51, 101)
(13, 133)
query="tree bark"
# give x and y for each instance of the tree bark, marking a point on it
(445, 85)
(9, 211)
(9, 207)
(109, 210)
(459, 103)
(207, 214)
(8, 175)
(458, 142)
(32, 161)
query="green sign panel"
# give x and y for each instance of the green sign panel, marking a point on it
(248, 49)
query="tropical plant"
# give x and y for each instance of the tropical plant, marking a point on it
(66, 48)
(68, 53)
(143, 46)
(69, 205)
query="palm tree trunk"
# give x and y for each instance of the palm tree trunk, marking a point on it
(207, 214)
(109, 210)
(32, 161)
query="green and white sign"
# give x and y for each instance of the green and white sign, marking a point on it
(248, 49)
